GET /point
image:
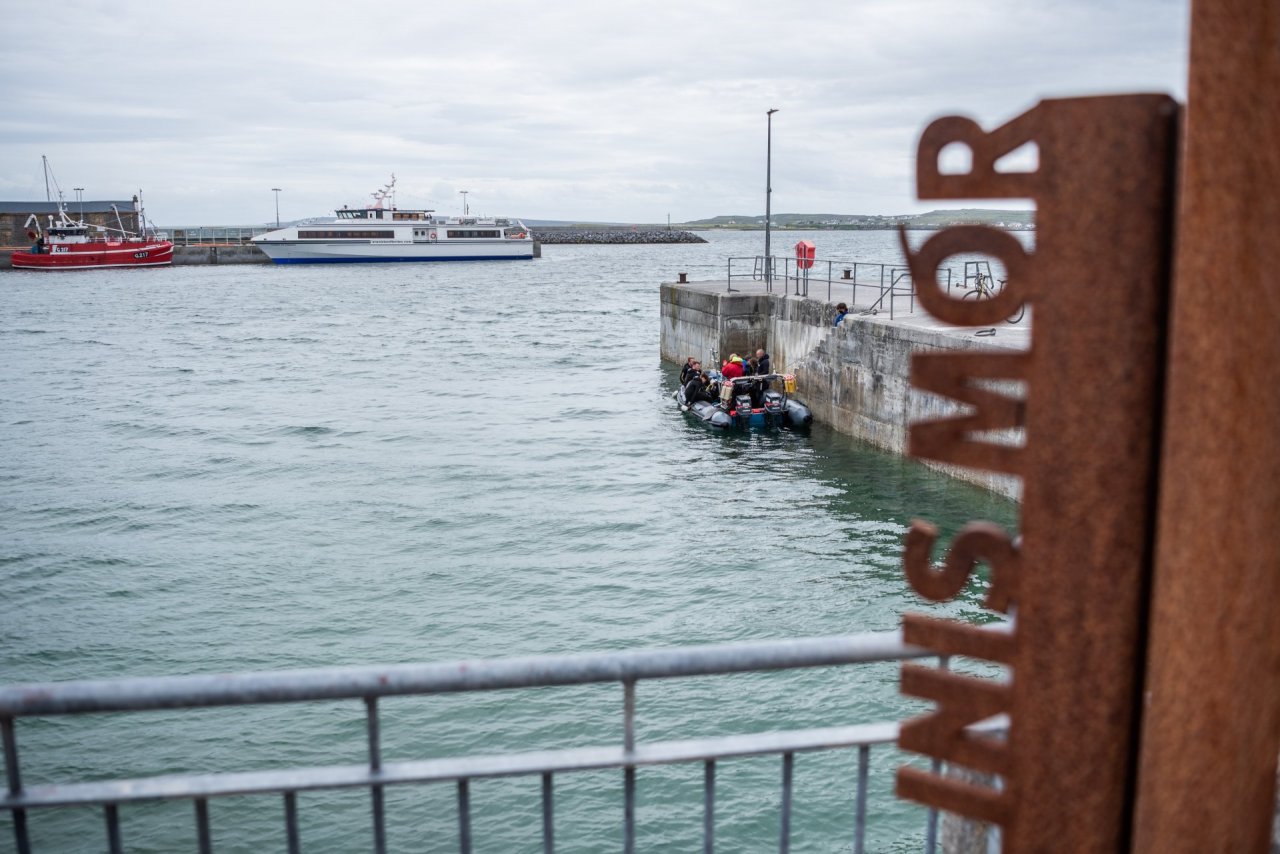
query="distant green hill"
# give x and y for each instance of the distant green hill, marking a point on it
(932, 219)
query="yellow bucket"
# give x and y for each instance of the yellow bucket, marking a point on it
(789, 383)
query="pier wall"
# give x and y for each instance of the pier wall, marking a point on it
(854, 377)
(227, 254)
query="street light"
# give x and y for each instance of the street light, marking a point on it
(465, 209)
(276, 190)
(768, 197)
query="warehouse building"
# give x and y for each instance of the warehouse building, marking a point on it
(14, 216)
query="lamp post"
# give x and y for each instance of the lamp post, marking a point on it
(465, 209)
(276, 190)
(768, 196)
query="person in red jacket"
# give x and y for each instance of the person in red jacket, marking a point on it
(733, 369)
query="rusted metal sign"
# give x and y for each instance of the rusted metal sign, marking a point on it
(1211, 720)
(1077, 579)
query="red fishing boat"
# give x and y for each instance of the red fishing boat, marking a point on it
(67, 244)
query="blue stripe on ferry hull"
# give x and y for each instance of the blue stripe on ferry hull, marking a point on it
(398, 260)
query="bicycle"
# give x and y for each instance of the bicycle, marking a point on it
(984, 289)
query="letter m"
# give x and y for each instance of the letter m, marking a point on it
(957, 376)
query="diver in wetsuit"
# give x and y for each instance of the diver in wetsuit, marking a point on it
(696, 389)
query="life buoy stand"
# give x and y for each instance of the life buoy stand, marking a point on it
(805, 253)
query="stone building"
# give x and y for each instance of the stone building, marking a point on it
(14, 215)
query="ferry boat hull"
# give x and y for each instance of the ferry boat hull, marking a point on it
(96, 255)
(294, 252)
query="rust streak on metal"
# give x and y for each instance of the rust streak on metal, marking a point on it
(1211, 728)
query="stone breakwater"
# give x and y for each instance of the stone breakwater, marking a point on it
(563, 234)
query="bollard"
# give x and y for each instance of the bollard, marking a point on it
(684, 278)
(848, 274)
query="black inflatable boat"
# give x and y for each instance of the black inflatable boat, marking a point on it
(748, 402)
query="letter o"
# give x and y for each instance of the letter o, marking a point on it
(959, 240)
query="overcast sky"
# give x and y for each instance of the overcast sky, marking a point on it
(551, 110)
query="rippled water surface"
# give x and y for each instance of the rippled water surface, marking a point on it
(259, 467)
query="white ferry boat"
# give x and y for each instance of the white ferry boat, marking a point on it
(383, 232)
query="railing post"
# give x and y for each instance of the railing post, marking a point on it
(111, 815)
(548, 815)
(784, 822)
(291, 822)
(860, 807)
(629, 772)
(375, 765)
(204, 839)
(21, 839)
(708, 806)
(464, 816)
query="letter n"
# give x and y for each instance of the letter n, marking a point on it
(962, 700)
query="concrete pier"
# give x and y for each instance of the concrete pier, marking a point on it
(855, 376)
(231, 254)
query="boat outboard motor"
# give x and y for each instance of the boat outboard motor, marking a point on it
(742, 407)
(773, 402)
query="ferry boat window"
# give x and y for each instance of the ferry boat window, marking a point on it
(418, 215)
(472, 232)
(345, 234)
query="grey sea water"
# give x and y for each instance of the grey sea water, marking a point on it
(259, 467)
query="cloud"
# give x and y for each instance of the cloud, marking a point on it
(566, 110)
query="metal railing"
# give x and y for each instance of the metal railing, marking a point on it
(872, 286)
(369, 684)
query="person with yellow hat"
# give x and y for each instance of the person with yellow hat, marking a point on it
(733, 368)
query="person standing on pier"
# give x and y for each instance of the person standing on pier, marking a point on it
(841, 311)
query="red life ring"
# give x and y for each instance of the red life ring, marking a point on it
(32, 234)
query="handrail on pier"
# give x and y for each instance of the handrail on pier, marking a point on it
(369, 684)
(874, 286)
